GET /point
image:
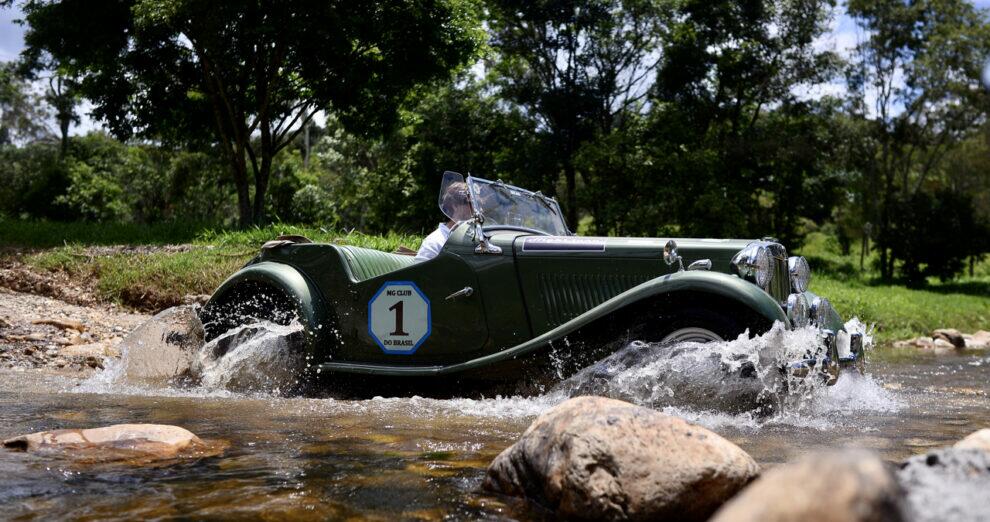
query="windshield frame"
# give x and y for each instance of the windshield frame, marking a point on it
(509, 191)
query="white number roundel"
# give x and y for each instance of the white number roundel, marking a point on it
(399, 317)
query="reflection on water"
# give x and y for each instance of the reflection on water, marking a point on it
(425, 458)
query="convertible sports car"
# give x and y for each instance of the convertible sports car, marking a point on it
(512, 285)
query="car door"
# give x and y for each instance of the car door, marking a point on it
(428, 313)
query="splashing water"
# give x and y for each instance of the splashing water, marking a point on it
(736, 383)
(261, 357)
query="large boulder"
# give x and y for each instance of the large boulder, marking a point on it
(162, 349)
(598, 458)
(851, 486)
(978, 341)
(947, 484)
(976, 440)
(149, 441)
(951, 335)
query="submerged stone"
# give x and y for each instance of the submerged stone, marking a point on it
(599, 458)
(120, 442)
(849, 486)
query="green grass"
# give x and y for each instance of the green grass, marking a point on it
(156, 280)
(901, 313)
(897, 311)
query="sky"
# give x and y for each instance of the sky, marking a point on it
(842, 37)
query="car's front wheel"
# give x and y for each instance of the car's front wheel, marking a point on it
(700, 324)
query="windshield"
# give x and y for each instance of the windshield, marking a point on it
(502, 204)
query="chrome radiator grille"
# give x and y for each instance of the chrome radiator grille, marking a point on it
(780, 283)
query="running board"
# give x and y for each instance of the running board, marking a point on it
(382, 369)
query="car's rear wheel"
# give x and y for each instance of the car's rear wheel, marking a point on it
(247, 303)
(271, 358)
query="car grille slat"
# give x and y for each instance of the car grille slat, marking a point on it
(780, 283)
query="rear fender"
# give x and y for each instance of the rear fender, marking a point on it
(309, 303)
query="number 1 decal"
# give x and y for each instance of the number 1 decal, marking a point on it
(397, 307)
(399, 317)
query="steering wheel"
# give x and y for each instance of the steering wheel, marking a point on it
(514, 228)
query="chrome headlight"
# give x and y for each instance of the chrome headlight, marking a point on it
(821, 308)
(800, 272)
(797, 310)
(754, 264)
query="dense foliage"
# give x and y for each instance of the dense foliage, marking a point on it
(645, 117)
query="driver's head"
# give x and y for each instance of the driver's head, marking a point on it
(456, 203)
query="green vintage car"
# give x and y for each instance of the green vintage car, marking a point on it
(512, 285)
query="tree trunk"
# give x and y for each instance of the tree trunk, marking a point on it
(239, 167)
(63, 127)
(261, 187)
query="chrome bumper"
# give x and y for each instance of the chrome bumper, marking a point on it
(843, 350)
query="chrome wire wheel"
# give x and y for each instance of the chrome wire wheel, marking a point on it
(692, 334)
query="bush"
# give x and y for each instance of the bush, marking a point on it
(313, 205)
(934, 234)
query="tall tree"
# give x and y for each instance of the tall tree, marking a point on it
(731, 129)
(249, 75)
(915, 84)
(22, 118)
(577, 66)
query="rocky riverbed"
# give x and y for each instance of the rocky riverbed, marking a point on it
(42, 332)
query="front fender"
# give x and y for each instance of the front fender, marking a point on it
(310, 306)
(728, 286)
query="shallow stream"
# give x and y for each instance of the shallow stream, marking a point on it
(417, 458)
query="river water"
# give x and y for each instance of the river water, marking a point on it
(418, 458)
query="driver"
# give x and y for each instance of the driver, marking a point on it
(457, 205)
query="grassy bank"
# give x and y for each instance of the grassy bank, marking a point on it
(899, 312)
(158, 277)
(150, 279)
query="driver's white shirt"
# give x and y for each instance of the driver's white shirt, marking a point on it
(433, 243)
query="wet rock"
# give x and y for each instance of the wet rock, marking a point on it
(155, 441)
(849, 486)
(947, 484)
(947, 339)
(195, 299)
(939, 345)
(978, 341)
(86, 350)
(162, 349)
(977, 440)
(950, 335)
(598, 458)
